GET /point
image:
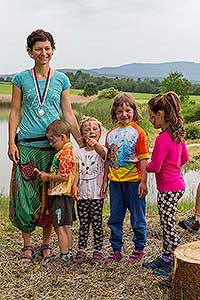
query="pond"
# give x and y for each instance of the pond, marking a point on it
(192, 177)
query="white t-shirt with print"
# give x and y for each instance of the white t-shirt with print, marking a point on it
(91, 171)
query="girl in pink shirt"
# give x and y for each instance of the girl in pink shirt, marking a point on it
(169, 155)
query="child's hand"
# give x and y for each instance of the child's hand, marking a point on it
(103, 191)
(42, 176)
(142, 189)
(91, 142)
(75, 192)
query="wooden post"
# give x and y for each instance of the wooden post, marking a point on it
(186, 279)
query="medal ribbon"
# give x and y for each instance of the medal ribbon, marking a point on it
(41, 99)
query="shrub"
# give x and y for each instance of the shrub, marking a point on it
(192, 132)
(108, 93)
(191, 113)
(90, 89)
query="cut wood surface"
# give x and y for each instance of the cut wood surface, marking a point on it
(186, 281)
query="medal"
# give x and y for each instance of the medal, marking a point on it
(42, 98)
(41, 112)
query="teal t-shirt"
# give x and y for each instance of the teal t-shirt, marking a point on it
(32, 124)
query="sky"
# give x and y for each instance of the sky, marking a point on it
(100, 33)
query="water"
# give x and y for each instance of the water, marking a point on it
(191, 177)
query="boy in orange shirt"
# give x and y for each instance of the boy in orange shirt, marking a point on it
(61, 178)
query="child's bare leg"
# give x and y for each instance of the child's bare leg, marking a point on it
(69, 235)
(197, 203)
(62, 239)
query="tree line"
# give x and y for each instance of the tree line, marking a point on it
(174, 80)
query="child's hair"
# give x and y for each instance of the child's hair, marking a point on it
(39, 35)
(59, 127)
(171, 105)
(118, 101)
(85, 119)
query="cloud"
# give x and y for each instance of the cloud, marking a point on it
(90, 33)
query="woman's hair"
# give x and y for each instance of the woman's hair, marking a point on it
(39, 35)
(171, 105)
(86, 119)
(118, 101)
(59, 127)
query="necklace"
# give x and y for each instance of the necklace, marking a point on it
(42, 98)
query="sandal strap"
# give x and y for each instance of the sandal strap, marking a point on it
(28, 248)
(45, 247)
(26, 256)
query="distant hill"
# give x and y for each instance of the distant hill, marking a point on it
(190, 70)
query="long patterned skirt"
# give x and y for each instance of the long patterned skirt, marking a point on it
(29, 202)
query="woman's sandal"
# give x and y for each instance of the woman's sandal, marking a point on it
(47, 257)
(27, 257)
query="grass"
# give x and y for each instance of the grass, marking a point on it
(5, 88)
(4, 113)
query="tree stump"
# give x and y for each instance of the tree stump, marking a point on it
(186, 278)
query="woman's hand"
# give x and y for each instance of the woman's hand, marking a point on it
(13, 153)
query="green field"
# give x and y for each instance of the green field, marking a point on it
(5, 88)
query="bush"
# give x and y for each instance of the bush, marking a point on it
(90, 89)
(192, 132)
(191, 112)
(108, 93)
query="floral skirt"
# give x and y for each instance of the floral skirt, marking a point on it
(29, 202)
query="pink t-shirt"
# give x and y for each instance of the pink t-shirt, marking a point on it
(167, 158)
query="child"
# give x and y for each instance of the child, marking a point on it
(169, 154)
(127, 158)
(193, 223)
(87, 189)
(61, 178)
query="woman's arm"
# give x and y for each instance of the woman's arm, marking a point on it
(13, 123)
(70, 117)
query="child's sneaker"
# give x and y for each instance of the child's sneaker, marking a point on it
(157, 263)
(190, 224)
(80, 257)
(159, 266)
(115, 257)
(97, 257)
(68, 258)
(166, 270)
(136, 256)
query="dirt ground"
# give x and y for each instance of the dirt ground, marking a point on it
(56, 280)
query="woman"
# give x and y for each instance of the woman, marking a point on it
(38, 94)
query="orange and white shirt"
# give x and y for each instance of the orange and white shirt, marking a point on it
(64, 164)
